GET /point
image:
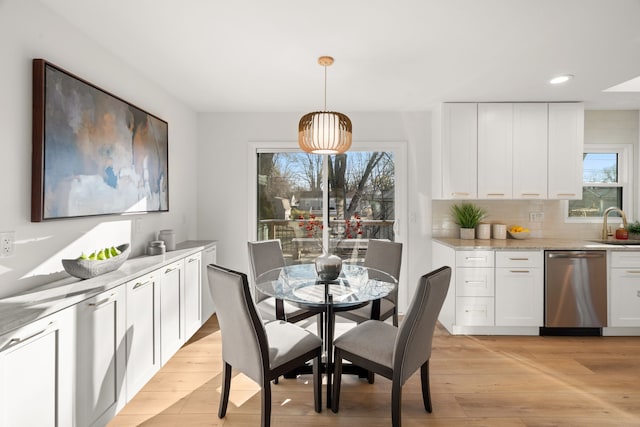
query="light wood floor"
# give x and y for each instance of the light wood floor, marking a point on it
(475, 381)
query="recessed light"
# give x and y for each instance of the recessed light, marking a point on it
(561, 79)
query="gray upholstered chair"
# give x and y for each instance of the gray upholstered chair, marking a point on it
(261, 351)
(396, 353)
(385, 256)
(266, 255)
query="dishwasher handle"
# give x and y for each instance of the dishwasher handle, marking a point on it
(578, 255)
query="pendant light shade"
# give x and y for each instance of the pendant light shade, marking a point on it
(324, 132)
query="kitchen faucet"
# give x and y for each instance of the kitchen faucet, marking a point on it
(605, 234)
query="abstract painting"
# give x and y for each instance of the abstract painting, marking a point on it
(93, 153)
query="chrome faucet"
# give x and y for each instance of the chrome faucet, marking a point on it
(605, 234)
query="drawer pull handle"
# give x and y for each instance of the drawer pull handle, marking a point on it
(469, 310)
(103, 302)
(474, 258)
(139, 284)
(14, 341)
(519, 259)
(495, 194)
(633, 271)
(567, 194)
(192, 259)
(475, 281)
(530, 194)
(519, 271)
(459, 194)
(169, 270)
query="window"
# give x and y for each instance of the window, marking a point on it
(294, 190)
(605, 182)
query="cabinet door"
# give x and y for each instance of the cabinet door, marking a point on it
(208, 305)
(475, 282)
(566, 147)
(475, 311)
(172, 329)
(36, 373)
(495, 146)
(143, 331)
(100, 357)
(192, 293)
(530, 150)
(625, 297)
(519, 297)
(460, 151)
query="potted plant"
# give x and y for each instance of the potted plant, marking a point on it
(467, 216)
(634, 230)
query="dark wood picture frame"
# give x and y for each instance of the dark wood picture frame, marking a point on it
(93, 152)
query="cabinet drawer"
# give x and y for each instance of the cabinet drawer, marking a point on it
(625, 259)
(475, 311)
(474, 258)
(519, 259)
(475, 282)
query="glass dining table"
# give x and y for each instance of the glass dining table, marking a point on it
(300, 285)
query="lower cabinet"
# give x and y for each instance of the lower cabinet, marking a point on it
(143, 331)
(36, 372)
(100, 357)
(172, 306)
(193, 293)
(519, 289)
(624, 289)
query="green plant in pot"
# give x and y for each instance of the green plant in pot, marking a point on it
(467, 216)
(634, 230)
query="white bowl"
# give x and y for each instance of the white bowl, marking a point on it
(521, 235)
(86, 269)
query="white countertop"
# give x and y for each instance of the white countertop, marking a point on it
(26, 307)
(531, 244)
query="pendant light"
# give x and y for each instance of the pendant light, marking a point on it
(324, 132)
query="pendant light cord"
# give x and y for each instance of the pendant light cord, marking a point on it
(325, 88)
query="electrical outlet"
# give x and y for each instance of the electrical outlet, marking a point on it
(536, 216)
(7, 240)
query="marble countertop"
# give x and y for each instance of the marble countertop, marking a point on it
(19, 310)
(532, 244)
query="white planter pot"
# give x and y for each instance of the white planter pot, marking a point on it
(468, 233)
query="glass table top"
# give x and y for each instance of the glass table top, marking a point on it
(300, 284)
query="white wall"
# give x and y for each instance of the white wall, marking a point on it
(223, 209)
(29, 30)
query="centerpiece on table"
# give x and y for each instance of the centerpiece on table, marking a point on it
(328, 266)
(467, 216)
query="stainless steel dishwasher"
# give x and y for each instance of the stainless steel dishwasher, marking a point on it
(575, 289)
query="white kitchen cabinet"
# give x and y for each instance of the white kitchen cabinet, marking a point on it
(519, 288)
(192, 293)
(143, 331)
(624, 289)
(495, 147)
(459, 151)
(475, 287)
(530, 128)
(37, 371)
(566, 148)
(208, 304)
(172, 306)
(100, 357)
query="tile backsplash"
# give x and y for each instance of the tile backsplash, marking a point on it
(517, 212)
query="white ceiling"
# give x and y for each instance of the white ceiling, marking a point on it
(390, 55)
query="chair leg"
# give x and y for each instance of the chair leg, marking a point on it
(226, 386)
(426, 393)
(266, 404)
(317, 382)
(396, 400)
(337, 380)
(395, 317)
(371, 377)
(319, 324)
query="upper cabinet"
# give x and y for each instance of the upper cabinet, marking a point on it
(460, 154)
(504, 151)
(495, 151)
(566, 147)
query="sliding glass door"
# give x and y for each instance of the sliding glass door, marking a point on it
(337, 202)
